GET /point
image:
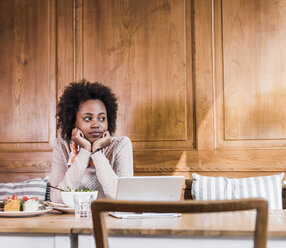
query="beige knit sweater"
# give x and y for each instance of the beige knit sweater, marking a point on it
(115, 162)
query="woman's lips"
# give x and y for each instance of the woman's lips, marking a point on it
(95, 134)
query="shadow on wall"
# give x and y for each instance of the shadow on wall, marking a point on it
(164, 121)
(154, 129)
(158, 128)
(263, 116)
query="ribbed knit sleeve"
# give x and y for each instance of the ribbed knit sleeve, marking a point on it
(62, 175)
(122, 165)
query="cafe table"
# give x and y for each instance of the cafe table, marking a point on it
(58, 230)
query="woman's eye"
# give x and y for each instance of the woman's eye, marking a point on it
(102, 119)
(87, 118)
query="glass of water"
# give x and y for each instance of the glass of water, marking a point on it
(82, 203)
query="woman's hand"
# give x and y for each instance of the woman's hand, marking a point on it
(79, 139)
(104, 141)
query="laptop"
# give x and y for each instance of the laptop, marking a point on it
(149, 188)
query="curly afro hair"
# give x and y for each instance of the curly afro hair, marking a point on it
(76, 93)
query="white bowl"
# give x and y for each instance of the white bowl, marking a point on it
(67, 197)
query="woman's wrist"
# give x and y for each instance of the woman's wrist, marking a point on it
(97, 150)
(95, 146)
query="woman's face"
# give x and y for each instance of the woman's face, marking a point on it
(91, 119)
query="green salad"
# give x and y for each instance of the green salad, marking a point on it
(84, 189)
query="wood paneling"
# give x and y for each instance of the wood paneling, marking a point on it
(203, 74)
(65, 45)
(21, 166)
(200, 83)
(138, 48)
(216, 154)
(251, 77)
(26, 74)
(227, 161)
(27, 88)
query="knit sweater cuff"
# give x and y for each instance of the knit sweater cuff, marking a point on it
(83, 156)
(98, 156)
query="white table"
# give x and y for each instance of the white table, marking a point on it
(200, 230)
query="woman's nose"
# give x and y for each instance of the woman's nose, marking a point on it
(95, 123)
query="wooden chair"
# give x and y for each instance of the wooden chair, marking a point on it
(189, 206)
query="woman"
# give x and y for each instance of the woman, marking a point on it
(86, 155)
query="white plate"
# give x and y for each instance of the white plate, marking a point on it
(65, 210)
(24, 214)
(54, 204)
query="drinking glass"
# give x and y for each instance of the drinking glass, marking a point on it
(82, 205)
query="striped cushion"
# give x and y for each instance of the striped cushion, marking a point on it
(30, 188)
(222, 188)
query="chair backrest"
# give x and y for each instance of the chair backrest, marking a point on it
(99, 207)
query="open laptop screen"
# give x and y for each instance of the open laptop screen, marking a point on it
(150, 188)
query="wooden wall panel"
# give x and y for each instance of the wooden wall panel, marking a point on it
(27, 88)
(216, 155)
(66, 55)
(203, 74)
(26, 75)
(252, 86)
(138, 48)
